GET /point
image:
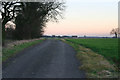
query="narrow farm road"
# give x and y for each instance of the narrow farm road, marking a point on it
(50, 59)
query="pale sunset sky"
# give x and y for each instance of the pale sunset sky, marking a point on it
(86, 17)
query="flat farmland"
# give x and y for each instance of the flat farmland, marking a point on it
(107, 47)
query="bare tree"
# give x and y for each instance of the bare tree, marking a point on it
(30, 17)
(115, 31)
(8, 12)
(31, 21)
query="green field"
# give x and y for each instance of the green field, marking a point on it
(106, 47)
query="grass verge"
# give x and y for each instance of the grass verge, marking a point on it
(108, 47)
(9, 52)
(95, 65)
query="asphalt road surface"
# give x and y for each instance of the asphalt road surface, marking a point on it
(49, 59)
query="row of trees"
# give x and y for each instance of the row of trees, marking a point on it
(30, 17)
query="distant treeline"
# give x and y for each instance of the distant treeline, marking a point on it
(73, 36)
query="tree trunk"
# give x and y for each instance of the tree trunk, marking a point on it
(115, 35)
(3, 32)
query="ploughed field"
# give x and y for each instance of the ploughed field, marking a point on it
(107, 47)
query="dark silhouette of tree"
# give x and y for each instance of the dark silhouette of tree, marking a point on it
(115, 31)
(8, 11)
(31, 21)
(30, 17)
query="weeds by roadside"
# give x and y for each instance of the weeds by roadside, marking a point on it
(11, 51)
(95, 65)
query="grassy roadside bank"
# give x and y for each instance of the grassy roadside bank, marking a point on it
(9, 52)
(95, 65)
(105, 47)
